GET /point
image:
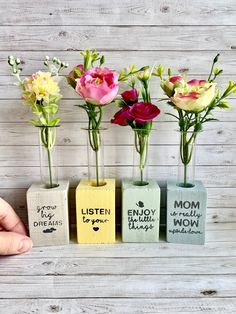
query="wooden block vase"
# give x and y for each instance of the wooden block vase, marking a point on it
(140, 212)
(186, 213)
(48, 214)
(95, 212)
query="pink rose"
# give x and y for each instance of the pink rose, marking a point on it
(142, 112)
(130, 96)
(98, 86)
(121, 116)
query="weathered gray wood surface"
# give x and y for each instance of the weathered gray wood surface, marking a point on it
(109, 278)
(147, 278)
(124, 306)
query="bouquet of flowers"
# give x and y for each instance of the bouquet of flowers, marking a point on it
(194, 102)
(98, 86)
(137, 113)
(41, 93)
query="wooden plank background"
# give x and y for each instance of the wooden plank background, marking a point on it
(183, 34)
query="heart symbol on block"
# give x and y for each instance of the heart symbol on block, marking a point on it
(95, 228)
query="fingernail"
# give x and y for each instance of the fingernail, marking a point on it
(25, 245)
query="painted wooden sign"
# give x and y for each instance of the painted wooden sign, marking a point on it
(140, 212)
(186, 213)
(95, 212)
(48, 214)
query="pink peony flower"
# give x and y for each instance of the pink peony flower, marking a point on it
(98, 86)
(142, 112)
(130, 96)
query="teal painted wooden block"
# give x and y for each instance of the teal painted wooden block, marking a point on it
(186, 213)
(140, 212)
(48, 214)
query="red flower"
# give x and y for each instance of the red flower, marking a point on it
(142, 112)
(121, 117)
(130, 96)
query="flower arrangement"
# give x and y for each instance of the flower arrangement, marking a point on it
(194, 101)
(138, 114)
(41, 93)
(98, 86)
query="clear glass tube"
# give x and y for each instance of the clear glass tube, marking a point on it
(48, 158)
(95, 150)
(140, 157)
(187, 159)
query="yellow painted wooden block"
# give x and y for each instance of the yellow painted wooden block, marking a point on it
(95, 212)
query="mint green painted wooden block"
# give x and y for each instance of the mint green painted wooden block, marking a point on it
(186, 213)
(48, 214)
(140, 212)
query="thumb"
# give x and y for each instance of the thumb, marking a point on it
(14, 243)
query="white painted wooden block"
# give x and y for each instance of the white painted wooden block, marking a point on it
(186, 213)
(140, 212)
(48, 214)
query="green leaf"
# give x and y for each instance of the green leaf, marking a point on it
(43, 120)
(55, 121)
(36, 110)
(172, 115)
(51, 109)
(224, 105)
(54, 99)
(102, 60)
(210, 119)
(120, 103)
(34, 122)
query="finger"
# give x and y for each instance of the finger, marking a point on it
(14, 243)
(9, 219)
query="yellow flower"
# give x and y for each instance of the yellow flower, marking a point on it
(40, 87)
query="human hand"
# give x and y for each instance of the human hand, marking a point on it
(13, 234)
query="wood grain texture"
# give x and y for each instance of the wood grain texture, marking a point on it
(81, 37)
(124, 306)
(122, 12)
(116, 266)
(138, 286)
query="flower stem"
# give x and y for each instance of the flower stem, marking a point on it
(50, 168)
(97, 170)
(185, 175)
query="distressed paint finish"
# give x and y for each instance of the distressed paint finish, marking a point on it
(140, 212)
(48, 214)
(186, 213)
(95, 212)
